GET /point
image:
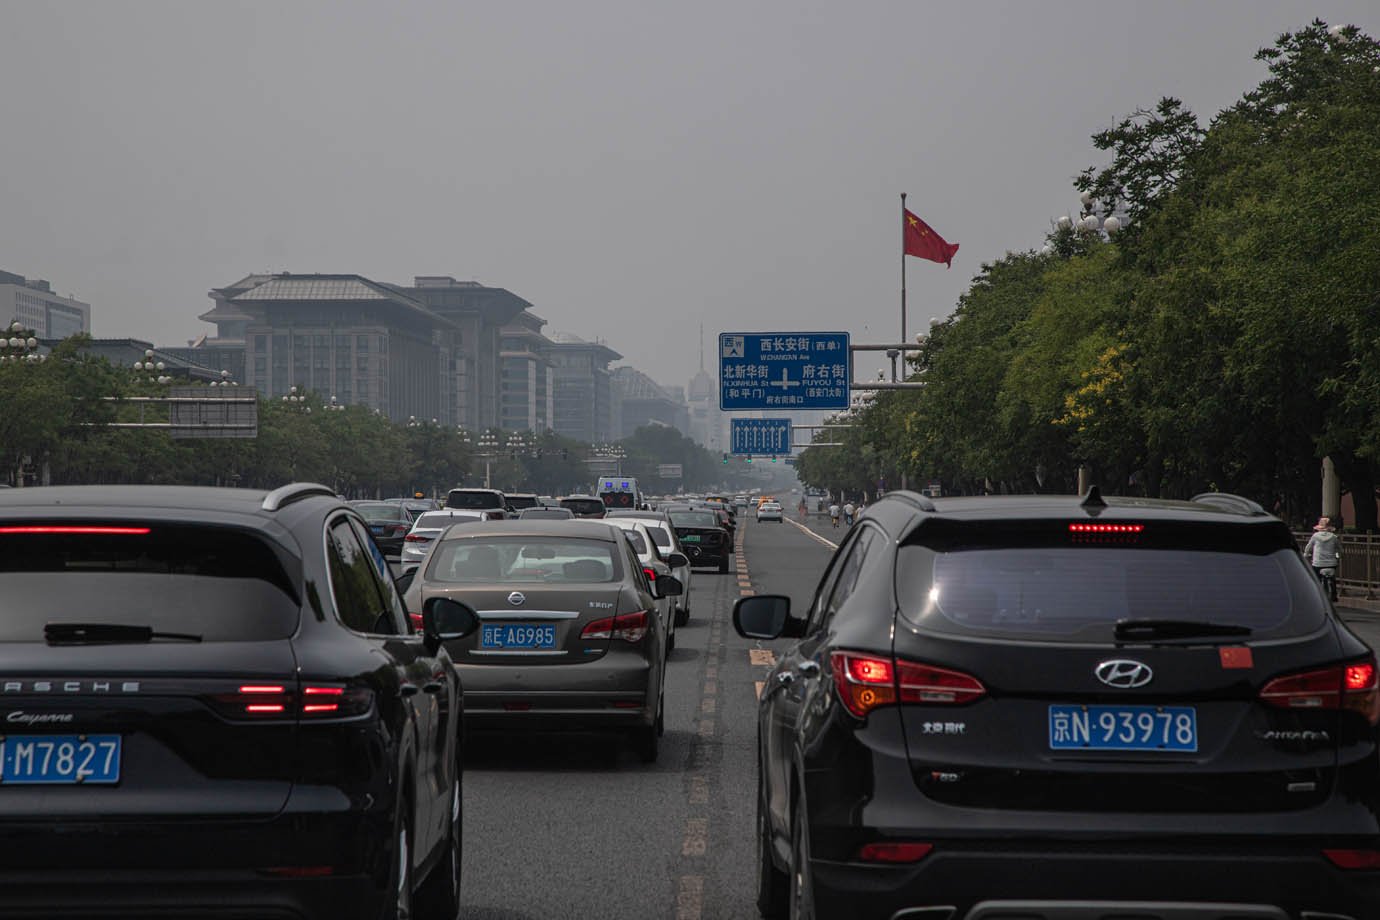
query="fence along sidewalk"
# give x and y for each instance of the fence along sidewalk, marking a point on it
(1359, 565)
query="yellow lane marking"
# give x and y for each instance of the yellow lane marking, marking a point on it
(690, 897)
(764, 657)
(759, 684)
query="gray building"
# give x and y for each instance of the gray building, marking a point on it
(583, 404)
(32, 303)
(345, 336)
(527, 385)
(641, 401)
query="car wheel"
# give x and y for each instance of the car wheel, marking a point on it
(802, 885)
(647, 739)
(723, 566)
(773, 885)
(682, 616)
(438, 898)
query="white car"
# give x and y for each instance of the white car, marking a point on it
(769, 511)
(654, 563)
(427, 527)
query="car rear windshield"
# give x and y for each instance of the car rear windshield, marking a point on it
(548, 560)
(473, 500)
(380, 511)
(519, 502)
(440, 520)
(694, 519)
(219, 584)
(583, 505)
(546, 514)
(1079, 593)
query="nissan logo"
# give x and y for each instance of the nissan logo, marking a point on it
(517, 598)
(1124, 673)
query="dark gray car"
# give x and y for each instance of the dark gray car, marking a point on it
(569, 636)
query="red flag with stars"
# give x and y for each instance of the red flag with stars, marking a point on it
(924, 243)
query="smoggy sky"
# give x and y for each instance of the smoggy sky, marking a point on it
(633, 169)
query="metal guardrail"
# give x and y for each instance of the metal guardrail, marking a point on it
(1359, 562)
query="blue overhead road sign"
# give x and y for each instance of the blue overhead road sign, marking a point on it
(783, 370)
(769, 437)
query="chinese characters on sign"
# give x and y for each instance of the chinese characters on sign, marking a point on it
(781, 370)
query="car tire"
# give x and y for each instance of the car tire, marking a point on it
(723, 566)
(438, 898)
(682, 616)
(403, 901)
(773, 885)
(647, 739)
(802, 885)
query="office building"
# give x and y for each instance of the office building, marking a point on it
(32, 303)
(583, 404)
(527, 382)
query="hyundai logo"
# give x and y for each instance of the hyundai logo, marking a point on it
(517, 598)
(1124, 673)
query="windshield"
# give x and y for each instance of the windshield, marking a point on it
(474, 500)
(545, 560)
(694, 519)
(219, 584)
(1080, 593)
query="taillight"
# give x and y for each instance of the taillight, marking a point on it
(416, 538)
(894, 852)
(276, 701)
(1353, 686)
(865, 682)
(1353, 859)
(630, 627)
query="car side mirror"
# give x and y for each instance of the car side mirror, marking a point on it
(444, 619)
(404, 581)
(677, 560)
(765, 616)
(669, 586)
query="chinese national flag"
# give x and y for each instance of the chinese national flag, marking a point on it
(924, 243)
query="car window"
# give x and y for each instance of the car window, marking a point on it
(847, 579)
(660, 536)
(383, 576)
(356, 591)
(635, 538)
(474, 500)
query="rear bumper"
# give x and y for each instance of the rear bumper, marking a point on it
(987, 881)
(706, 555)
(223, 895)
(613, 693)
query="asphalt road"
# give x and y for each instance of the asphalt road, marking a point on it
(578, 827)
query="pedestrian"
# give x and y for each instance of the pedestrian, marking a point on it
(848, 512)
(834, 514)
(804, 509)
(1323, 551)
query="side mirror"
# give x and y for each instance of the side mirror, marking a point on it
(404, 581)
(444, 619)
(677, 560)
(765, 616)
(669, 586)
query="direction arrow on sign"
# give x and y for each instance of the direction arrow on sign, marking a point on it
(764, 437)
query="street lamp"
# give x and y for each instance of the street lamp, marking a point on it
(19, 346)
(297, 400)
(333, 406)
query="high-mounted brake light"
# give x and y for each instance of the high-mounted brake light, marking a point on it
(865, 682)
(82, 529)
(1353, 686)
(1106, 528)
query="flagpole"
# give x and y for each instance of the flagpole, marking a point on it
(903, 272)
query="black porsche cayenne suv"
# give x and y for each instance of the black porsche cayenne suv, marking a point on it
(212, 703)
(1052, 709)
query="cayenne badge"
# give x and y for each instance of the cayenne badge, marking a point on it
(517, 598)
(1124, 673)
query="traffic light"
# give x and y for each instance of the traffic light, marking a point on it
(773, 459)
(725, 458)
(748, 460)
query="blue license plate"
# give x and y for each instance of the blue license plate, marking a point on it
(1123, 728)
(59, 759)
(518, 636)
(376, 528)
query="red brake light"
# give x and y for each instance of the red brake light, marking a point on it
(1352, 686)
(894, 852)
(1106, 528)
(77, 529)
(1353, 859)
(276, 700)
(865, 682)
(262, 688)
(416, 538)
(630, 627)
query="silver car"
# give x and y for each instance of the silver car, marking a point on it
(667, 541)
(427, 527)
(655, 563)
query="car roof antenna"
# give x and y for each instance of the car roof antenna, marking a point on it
(1094, 500)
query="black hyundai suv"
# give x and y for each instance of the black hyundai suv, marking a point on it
(1052, 709)
(213, 704)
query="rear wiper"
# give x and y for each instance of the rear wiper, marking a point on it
(1175, 629)
(81, 633)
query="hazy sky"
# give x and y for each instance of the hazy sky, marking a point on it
(632, 169)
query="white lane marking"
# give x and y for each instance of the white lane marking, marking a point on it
(810, 533)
